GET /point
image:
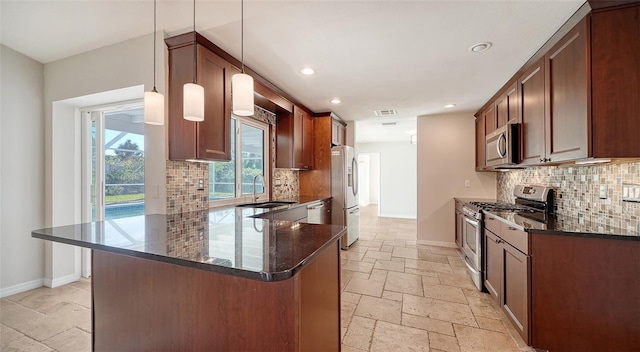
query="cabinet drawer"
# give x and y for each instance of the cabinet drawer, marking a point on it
(492, 225)
(292, 214)
(515, 237)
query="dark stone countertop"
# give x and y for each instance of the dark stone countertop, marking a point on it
(469, 200)
(567, 225)
(227, 240)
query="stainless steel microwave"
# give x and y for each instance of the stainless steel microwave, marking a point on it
(502, 147)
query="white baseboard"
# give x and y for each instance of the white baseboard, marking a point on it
(437, 243)
(397, 216)
(25, 286)
(61, 280)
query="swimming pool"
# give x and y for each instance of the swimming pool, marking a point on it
(117, 211)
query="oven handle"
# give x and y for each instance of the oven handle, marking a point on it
(469, 266)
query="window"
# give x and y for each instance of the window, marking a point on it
(232, 181)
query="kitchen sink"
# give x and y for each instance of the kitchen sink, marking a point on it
(272, 204)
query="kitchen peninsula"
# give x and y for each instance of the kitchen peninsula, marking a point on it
(220, 279)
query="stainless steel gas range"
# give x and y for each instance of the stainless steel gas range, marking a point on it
(533, 204)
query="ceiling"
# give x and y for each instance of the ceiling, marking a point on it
(412, 56)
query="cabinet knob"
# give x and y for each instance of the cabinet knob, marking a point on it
(542, 160)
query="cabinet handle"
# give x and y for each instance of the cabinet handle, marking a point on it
(512, 228)
(542, 160)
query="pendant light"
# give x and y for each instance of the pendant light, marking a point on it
(242, 83)
(193, 93)
(154, 101)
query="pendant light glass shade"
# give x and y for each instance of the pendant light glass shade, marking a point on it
(242, 94)
(153, 108)
(154, 101)
(193, 102)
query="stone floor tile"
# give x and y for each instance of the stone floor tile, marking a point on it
(397, 338)
(346, 312)
(434, 325)
(386, 249)
(378, 255)
(358, 266)
(343, 331)
(404, 283)
(452, 279)
(478, 340)
(389, 265)
(349, 255)
(445, 293)
(350, 297)
(491, 324)
(7, 335)
(365, 287)
(25, 344)
(443, 342)
(368, 260)
(82, 284)
(437, 309)
(71, 340)
(358, 337)
(346, 348)
(427, 266)
(378, 275)
(411, 253)
(45, 297)
(379, 309)
(430, 257)
(444, 251)
(394, 296)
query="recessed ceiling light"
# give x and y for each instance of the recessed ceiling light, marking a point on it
(449, 106)
(480, 47)
(335, 101)
(307, 71)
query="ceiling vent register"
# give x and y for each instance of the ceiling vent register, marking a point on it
(386, 112)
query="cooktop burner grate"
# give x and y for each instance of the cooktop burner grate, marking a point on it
(504, 207)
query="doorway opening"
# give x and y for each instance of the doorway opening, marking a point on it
(369, 179)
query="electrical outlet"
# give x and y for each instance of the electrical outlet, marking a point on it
(603, 191)
(467, 183)
(200, 184)
(630, 193)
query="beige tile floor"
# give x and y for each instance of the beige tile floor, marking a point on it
(397, 296)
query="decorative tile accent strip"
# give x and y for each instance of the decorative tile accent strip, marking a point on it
(577, 191)
(182, 182)
(286, 184)
(188, 234)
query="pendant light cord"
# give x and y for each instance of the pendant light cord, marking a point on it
(195, 57)
(154, 44)
(242, 34)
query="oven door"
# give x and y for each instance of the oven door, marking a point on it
(472, 248)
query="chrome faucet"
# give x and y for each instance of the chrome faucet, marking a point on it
(255, 198)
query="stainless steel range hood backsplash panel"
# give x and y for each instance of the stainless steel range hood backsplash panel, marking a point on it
(577, 190)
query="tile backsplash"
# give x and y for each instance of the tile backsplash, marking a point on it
(577, 190)
(182, 180)
(286, 184)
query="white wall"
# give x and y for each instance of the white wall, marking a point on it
(446, 154)
(397, 177)
(374, 176)
(21, 172)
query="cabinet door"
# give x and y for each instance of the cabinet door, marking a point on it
(307, 141)
(615, 82)
(481, 161)
(493, 264)
(490, 119)
(566, 70)
(515, 288)
(532, 102)
(213, 136)
(459, 226)
(298, 133)
(507, 107)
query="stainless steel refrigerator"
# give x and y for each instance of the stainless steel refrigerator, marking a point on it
(344, 190)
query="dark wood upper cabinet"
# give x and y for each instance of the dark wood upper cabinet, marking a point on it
(532, 97)
(210, 139)
(567, 108)
(294, 139)
(507, 106)
(579, 95)
(481, 161)
(490, 119)
(615, 82)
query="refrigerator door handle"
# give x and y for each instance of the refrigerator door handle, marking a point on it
(354, 167)
(355, 211)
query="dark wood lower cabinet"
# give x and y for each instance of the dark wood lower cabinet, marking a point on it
(585, 293)
(492, 264)
(146, 305)
(515, 289)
